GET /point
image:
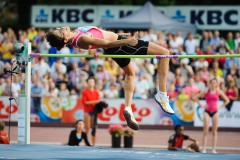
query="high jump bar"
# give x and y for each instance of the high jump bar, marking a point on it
(134, 56)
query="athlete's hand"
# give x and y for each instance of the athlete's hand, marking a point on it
(133, 41)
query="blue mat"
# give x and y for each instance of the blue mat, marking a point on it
(15, 151)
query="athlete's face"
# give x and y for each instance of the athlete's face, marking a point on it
(63, 32)
(213, 84)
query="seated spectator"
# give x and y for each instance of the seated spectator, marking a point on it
(182, 95)
(53, 91)
(112, 92)
(181, 84)
(77, 135)
(233, 71)
(37, 92)
(209, 52)
(217, 69)
(83, 81)
(172, 93)
(200, 63)
(113, 80)
(205, 41)
(230, 41)
(191, 89)
(63, 91)
(205, 73)
(175, 142)
(141, 91)
(3, 135)
(199, 82)
(7, 86)
(112, 67)
(58, 66)
(41, 66)
(237, 41)
(99, 87)
(102, 74)
(190, 45)
(186, 69)
(231, 92)
(215, 40)
(74, 74)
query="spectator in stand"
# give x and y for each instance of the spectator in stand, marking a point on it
(43, 46)
(175, 142)
(150, 36)
(6, 88)
(181, 84)
(205, 41)
(6, 49)
(113, 80)
(230, 41)
(90, 97)
(3, 135)
(173, 44)
(58, 66)
(179, 38)
(178, 75)
(233, 72)
(83, 81)
(199, 82)
(231, 92)
(32, 33)
(200, 63)
(215, 40)
(141, 91)
(191, 90)
(53, 91)
(93, 63)
(186, 69)
(41, 66)
(172, 93)
(230, 61)
(161, 39)
(190, 45)
(112, 92)
(1, 35)
(37, 92)
(77, 135)
(215, 66)
(209, 52)
(100, 88)
(87, 69)
(237, 41)
(74, 74)
(102, 74)
(65, 50)
(63, 91)
(111, 66)
(215, 75)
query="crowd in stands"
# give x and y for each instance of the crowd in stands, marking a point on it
(61, 77)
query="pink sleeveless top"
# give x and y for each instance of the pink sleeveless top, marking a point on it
(211, 101)
(93, 31)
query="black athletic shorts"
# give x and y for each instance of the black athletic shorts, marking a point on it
(139, 49)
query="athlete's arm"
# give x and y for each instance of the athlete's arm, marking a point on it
(224, 97)
(88, 40)
(170, 147)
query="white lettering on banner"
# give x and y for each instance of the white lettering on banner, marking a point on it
(226, 118)
(204, 17)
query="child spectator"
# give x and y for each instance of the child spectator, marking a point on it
(112, 92)
(63, 91)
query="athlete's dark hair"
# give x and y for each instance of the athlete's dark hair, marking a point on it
(54, 40)
(213, 80)
(176, 127)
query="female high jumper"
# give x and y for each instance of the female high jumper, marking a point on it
(90, 37)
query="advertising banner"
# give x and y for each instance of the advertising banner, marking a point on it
(204, 17)
(146, 112)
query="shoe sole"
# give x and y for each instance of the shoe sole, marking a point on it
(162, 107)
(130, 123)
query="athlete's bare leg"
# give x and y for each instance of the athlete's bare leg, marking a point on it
(128, 90)
(163, 67)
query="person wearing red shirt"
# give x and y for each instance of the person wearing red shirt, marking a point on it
(90, 97)
(3, 135)
(175, 142)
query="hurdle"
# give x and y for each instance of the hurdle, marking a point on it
(24, 99)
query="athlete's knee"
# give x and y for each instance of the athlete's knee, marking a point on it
(166, 52)
(214, 132)
(205, 132)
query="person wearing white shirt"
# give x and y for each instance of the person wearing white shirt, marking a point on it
(58, 66)
(190, 45)
(65, 50)
(141, 91)
(41, 66)
(237, 40)
(112, 92)
(179, 38)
